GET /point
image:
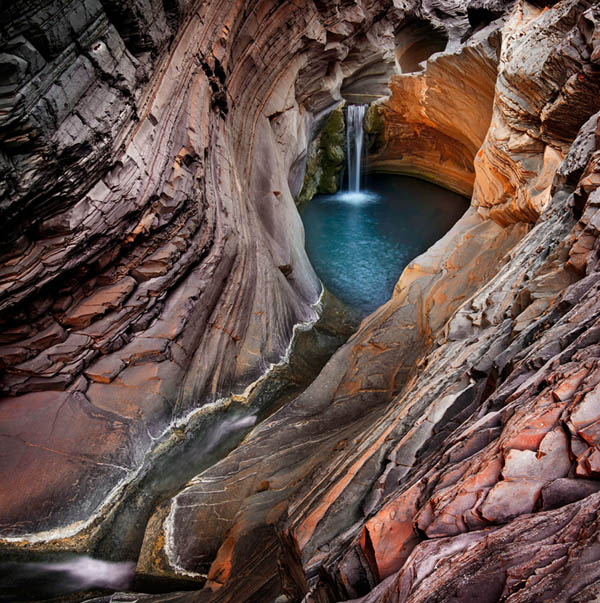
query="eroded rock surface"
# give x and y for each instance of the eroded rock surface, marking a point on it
(152, 257)
(436, 118)
(453, 435)
(449, 451)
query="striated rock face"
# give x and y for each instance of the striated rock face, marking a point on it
(286, 461)
(541, 102)
(152, 256)
(449, 451)
(437, 116)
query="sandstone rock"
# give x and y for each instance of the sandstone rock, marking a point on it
(425, 132)
(146, 211)
(524, 145)
(449, 450)
(535, 556)
(522, 345)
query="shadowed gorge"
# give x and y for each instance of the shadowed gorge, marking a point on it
(177, 389)
(416, 41)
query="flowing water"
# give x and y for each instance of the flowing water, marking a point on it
(355, 116)
(190, 448)
(360, 241)
(35, 581)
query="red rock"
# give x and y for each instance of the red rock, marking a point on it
(391, 532)
(107, 298)
(585, 411)
(588, 463)
(69, 445)
(105, 369)
(551, 461)
(138, 159)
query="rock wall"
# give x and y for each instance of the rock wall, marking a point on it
(152, 257)
(449, 450)
(324, 159)
(438, 113)
(542, 99)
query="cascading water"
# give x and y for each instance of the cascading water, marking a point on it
(35, 581)
(354, 144)
(359, 240)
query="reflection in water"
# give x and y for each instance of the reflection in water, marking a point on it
(360, 242)
(32, 581)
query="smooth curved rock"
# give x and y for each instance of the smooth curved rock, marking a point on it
(450, 449)
(530, 130)
(458, 407)
(152, 259)
(435, 120)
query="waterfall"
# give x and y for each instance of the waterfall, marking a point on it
(354, 144)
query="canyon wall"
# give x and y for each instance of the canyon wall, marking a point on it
(154, 264)
(152, 259)
(436, 118)
(447, 451)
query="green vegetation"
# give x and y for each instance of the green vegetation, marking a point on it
(325, 159)
(374, 127)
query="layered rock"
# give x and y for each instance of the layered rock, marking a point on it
(152, 257)
(454, 434)
(251, 489)
(541, 102)
(450, 438)
(438, 113)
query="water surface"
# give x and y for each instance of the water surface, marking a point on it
(359, 243)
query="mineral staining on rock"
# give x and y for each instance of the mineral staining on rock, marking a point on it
(449, 450)
(147, 217)
(435, 119)
(440, 426)
(147, 156)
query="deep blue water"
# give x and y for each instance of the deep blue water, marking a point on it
(359, 244)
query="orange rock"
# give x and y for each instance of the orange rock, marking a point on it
(391, 531)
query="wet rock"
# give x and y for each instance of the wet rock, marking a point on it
(145, 214)
(325, 159)
(420, 131)
(462, 404)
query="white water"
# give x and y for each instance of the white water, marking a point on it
(31, 581)
(357, 198)
(354, 149)
(359, 243)
(226, 427)
(87, 572)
